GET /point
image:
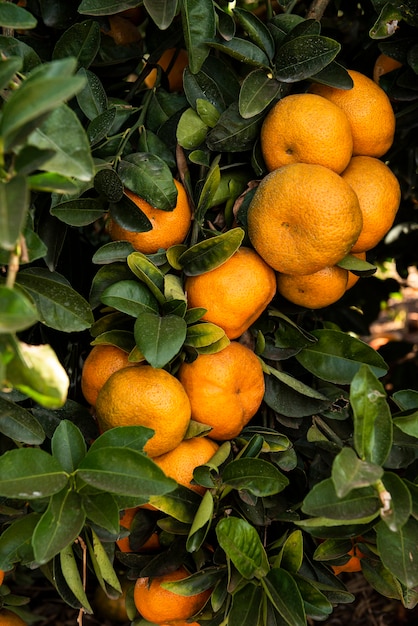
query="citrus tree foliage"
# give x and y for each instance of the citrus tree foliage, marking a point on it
(331, 457)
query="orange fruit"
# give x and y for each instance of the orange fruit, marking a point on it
(379, 194)
(225, 389)
(168, 227)
(172, 62)
(150, 545)
(383, 65)
(100, 363)
(314, 291)
(303, 218)
(8, 618)
(235, 293)
(353, 278)
(1, 576)
(122, 30)
(160, 605)
(369, 111)
(306, 128)
(180, 462)
(352, 565)
(180, 622)
(145, 396)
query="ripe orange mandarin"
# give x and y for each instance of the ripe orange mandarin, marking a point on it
(379, 194)
(314, 291)
(145, 396)
(8, 618)
(383, 65)
(303, 218)
(1, 576)
(150, 545)
(168, 227)
(306, 128)
(225, 389)
(160, 605)
(352, 565)
(369, 111)
(100, 363)
(235, 293)
(172, 62)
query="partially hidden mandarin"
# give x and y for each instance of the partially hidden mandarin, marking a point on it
(1, 576)
(235, 293)
(383, 65)
(168, 227)
(306, 128)
(9, 618)
(160, 605)
(369, 111)
(314, 291)
(303, 218)
(146, 396)
(225, 389)
(150, 545)
(173, 63)
(102, 361)
(352, 565)
(379, 194)
(181, 462)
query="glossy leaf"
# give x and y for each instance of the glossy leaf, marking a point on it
(317, 606)
(372, 417)
(72, 577)
(202, 85)
(211, 253)
(128, 215)
(13, 47)
(258, 89)
(159, 338)
(198, 21)
(133, 437)
(408, 424)
(150, 178)
(19, 424)
(181, 503)
(381, 579)
(16, 310)
(105, 7)
(103, 510)
(52, 182)
(130, 297)
(255, 476)
(323, 501)
(59, 526)
(148, 273)
(234, 133)
(349, 472)
(92, 99)
(81, 41)
(406, 399)
(123, 471)
(80, 212)
(201, 523)
(291, 555)
(399, 508)
(191, 130)
(59, 305)
(102, 565)
(283, 593)
(203, 334)
(101, 126)
(14, 204)
(304, 56)
(257, 31)
(107, 183)
(162, 12)
(337, 357)
(207, 112)
(112, 251)
(63, 133)
(334, 75)
(68, 446)
(399, 551)
(242, 50)
(15, 541)
(246, 606)
(241, 543)
(289, 396)
(106, 276)
(30, 473)
(208, 192)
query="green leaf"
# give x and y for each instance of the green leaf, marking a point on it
(282, 591)
(207, 194)
(211, 253)
(16, 541)
(399, 508)
(8, 68)
(27, 106)
(246, 606)
(72, 577)
(112, 251)
(81, 41)
(207, 112)
(349, 472)
(383, 27)
(16, 311)
(372, 417)
(123, 471)
(241, 543)
(150, 178)
(291, 556)
(242, 50)
(257, 31)
(406, 399)
(13, 47)
(407, 423)
(28, 473)
(289, 396)
(103, 510)
(12, 16)
(105, 277)
(258, 89)
(191, 130)
(234, 133)
(59, 526)
(162, 12)
(399, 551)
(336, 357)
(357, 266)
(92, 99)
(148, 273)
(79, 212)
(59, 305)
(159, 338)
(105, 7)
(334, 75)
(204, 334)
(381, 579)
(14, 205)
(68, 446)
(63, 133)
(323, 501)
(181, 504)
(103, 568)
(31, 159)
(199, 25)
(201, 523)
(130, 297)
(317, 606)
(101, 126)
(36, 371)
(133, 437)
(256, 476)
(19, 424)
(304, 56)
(52, 182)
(195, 583)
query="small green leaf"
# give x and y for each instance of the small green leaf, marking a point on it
(357, 266)
(148, 273)
(68, 446)
(255, 476)
(19, 424)
(203, 334)
(256, 30)
(92, 99)
(201, 523)
(28, 473)
(291, 556)
(159, 338)
(102, 565)
(130, 297)
(322, 501)
(112, 251)
(16, 311)
(16, 541)
(191, 130)
(399, 551)
(349, 472)
(181, 503)
(14, 205)
(283, 593)
(234, 133)
(162, 12)
(207, 112)
(52, 182)
(150, 178)
(72, 577)
(408, 423)
(242, 50)
(211, 253)
(399, 507)
(209, 189)
(199, 25)
(8, 68)
(301, 57)
(80, 41)
(133, 437)
(258, 89)
(246, 606)
(79, 212)
(242, 544)
(103, 510)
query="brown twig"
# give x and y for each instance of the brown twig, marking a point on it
(317, 9)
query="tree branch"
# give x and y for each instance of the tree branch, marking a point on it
(317, 9)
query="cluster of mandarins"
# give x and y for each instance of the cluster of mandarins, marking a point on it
(328, 194)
